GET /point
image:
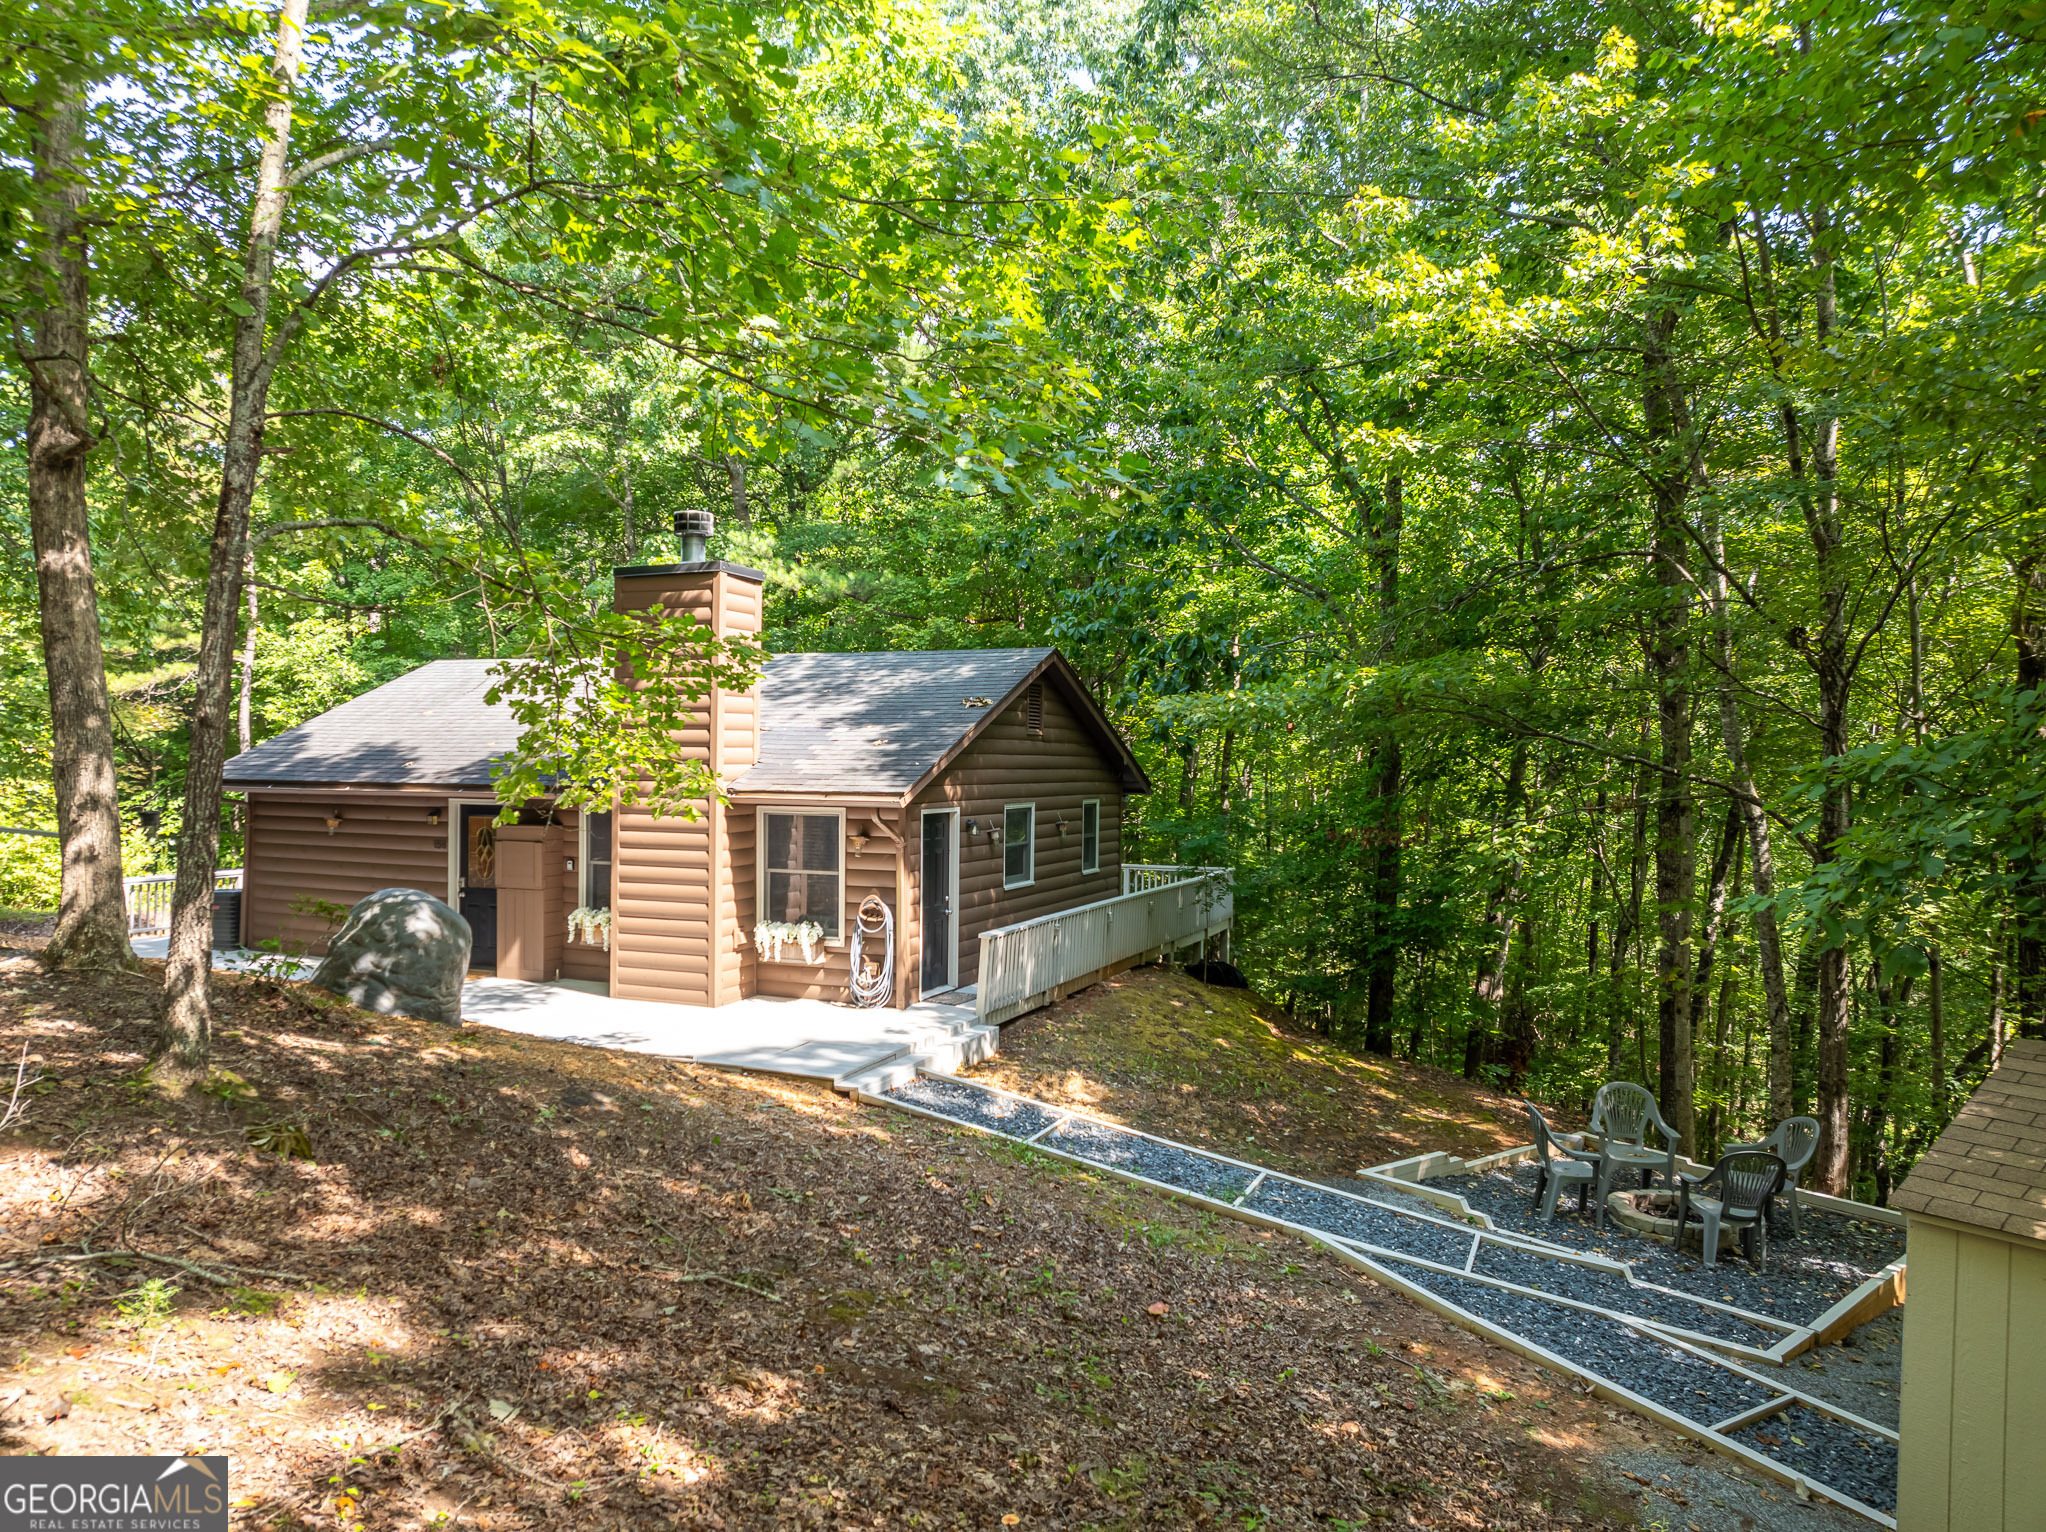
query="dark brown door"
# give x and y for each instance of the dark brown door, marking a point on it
(479, 881)
(938, 936)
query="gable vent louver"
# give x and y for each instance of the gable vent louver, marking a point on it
(1033, 708)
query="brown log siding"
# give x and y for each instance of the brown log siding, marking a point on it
(1057, 771)
(675, 906)
(870, 870)
(384, 841)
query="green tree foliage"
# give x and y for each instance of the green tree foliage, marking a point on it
(1552, 491)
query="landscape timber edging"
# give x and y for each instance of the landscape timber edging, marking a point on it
(1604, 1388)
(1358, 1253)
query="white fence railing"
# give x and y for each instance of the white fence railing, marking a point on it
(1138, 876)
(149, 899)
(1032, 962)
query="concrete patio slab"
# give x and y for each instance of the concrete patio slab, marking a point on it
(806, 1038)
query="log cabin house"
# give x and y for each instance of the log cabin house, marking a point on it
(969, 789)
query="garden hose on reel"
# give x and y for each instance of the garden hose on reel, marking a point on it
(874, 920)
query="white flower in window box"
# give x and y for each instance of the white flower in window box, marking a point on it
(770, 936)
(591, 923)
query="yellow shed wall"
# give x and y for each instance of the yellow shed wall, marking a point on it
(1973, 1455)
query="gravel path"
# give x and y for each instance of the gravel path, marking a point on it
(1158, 1162)
(1692, 1386)
(1801, 1280)
(1830, 1451)
(1609, 1291)
(1862, 1374)
(1804, 1278)
(969, 1103)
(1374, 1225)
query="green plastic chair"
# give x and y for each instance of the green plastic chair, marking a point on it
(1745, 1180)
(1794, 1142)
(1621, 1115)
(1559, 1164)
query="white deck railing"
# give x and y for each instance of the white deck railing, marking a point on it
(149, 899)
(1138, 876)
(1033, 962)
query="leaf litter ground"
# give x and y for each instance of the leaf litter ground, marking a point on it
(520, 1284)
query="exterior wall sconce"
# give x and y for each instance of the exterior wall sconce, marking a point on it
(857, 843)
(333, 820)
(433, 816)
(973, 827)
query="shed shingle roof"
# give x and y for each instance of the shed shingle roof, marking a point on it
(1989, 1167)
(831, 723)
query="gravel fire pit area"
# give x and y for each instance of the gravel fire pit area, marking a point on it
(1606, 1339)
(1801, 1278)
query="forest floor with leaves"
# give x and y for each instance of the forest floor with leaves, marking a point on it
(409, 1276)
(1159, 1051)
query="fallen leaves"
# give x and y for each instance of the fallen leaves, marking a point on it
(663, 1326)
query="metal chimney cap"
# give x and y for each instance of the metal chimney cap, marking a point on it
(692, 535)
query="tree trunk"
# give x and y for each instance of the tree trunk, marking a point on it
(1379, 992)
(1725, 864)
(1833, 665)
(735, 473)
(1935, 977)
(187, 1013)
(242, 715)
(1385, 901)
(1670, 663)
(1715, 1115)
(1598, 889)
(1626, 923)
(1879, 1158)
(1805, 1014)
(2028, 966)
(1488, 988)
(92, 914)
(1761, 852)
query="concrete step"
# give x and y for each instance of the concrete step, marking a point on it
(943, 1053)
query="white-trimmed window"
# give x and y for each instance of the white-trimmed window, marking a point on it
(802, 867)
(1090, 835)
(1019, 845)
(595, 862)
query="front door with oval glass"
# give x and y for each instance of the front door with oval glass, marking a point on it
(939, 969)
(478, 872)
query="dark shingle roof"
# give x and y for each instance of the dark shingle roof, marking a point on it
(428, 728)
(873, 723)
(831, 723)
(1989, 1167)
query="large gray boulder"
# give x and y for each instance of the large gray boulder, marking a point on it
(400, 950)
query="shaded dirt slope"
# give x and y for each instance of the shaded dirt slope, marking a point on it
(518, 1285)
(1167, 1054)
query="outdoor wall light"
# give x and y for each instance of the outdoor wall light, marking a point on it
(433, 816)
(333, 820)
(973, 827)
